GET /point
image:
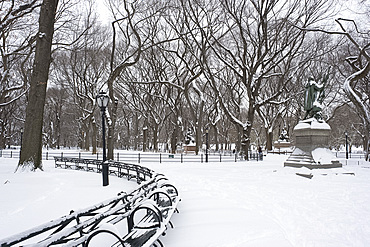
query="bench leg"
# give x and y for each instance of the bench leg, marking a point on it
(171, 224)
(159, 242)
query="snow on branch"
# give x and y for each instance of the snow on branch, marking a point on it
(13, 14)
(351, 92)
(198, 91)
(226, 110)
(343, 32)
(14, 99)
(171, 83)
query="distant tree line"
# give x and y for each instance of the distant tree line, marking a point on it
(235, 68)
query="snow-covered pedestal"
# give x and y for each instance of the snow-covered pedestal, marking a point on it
(282, 144)
(283, 141)
(190, 148)
(311, 151)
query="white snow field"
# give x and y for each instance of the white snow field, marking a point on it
(231, 204)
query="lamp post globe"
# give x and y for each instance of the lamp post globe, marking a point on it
(102, 100)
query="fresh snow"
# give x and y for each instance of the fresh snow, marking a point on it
(29, 199)
(312, 123)
(223, 204)
(323, 155)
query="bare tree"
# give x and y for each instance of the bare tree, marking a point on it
(32, 146)
(259, 45)
(137, 28)
(84, 67)
(356, 84)
(17, 46)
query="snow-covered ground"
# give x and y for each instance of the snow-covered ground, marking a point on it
(223, 204)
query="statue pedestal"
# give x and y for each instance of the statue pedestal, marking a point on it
(282, 144)
(311, 150)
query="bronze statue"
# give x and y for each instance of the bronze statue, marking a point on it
(313, 98)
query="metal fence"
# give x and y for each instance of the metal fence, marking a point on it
(137, 157)
(133, 157)
(350, 155)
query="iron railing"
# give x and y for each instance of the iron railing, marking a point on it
(133, 157)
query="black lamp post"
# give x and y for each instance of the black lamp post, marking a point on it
(102, 100)
(206, 145)
(346, 145)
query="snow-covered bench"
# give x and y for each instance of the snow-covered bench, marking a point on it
(146, 211)
(146, 223)
(119, 169)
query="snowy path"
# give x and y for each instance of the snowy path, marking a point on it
(264, 204)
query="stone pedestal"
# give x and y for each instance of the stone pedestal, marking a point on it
(311, 150)
(189, 148)
(282, 144)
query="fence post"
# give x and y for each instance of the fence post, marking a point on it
(220, 157)
(201, 158)
(235, 156)
(1, 153)
(47, 155)
(139, 158)
(117, 156)
(181, 157)
(11, 154)
(79, 155)
(160, 157)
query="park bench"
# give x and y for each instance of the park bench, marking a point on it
(146, 222)
(146, 212)
(116, 168)
(255, 156)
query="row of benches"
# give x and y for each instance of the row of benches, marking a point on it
(119, 169)
(135, 219)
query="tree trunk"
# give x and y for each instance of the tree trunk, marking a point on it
(145, 137)
(239, 140)
(2, 136)
(198, 138)
(127, 140)
(215, 135)
(31, 153)
(366, 143)
(155, 137)
(87, 138)
(246, 140)
(58, 130)
(269, 136)
(174, 139)
(111, 127)
(136, 132)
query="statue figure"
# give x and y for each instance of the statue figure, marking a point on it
(313, 98)
(189, 137)
(284, 135)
